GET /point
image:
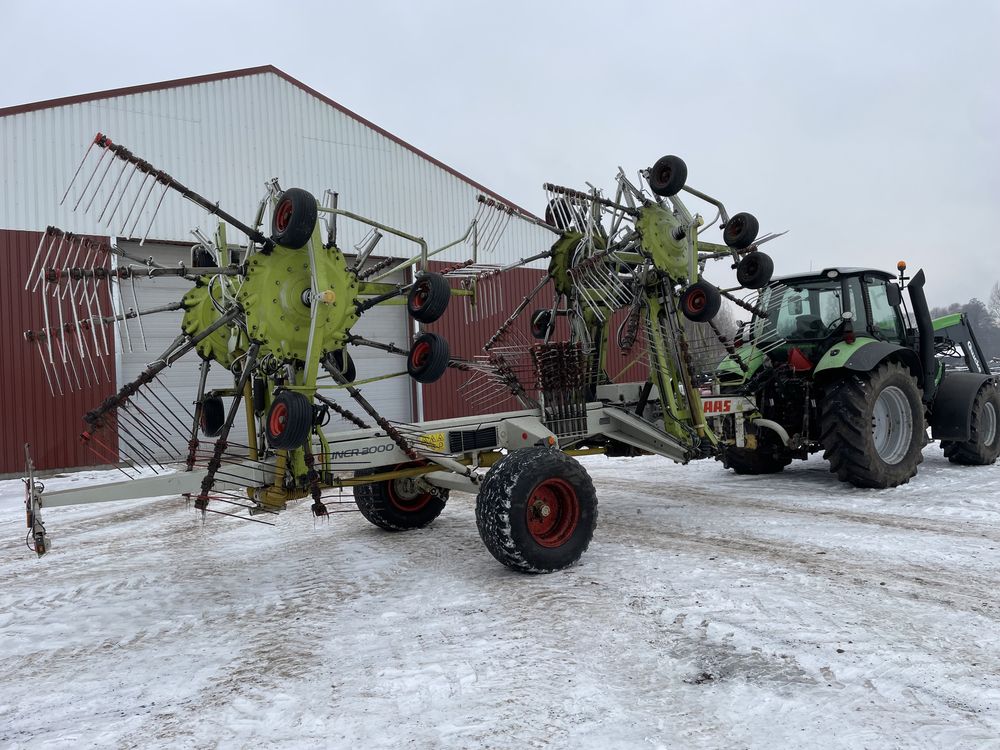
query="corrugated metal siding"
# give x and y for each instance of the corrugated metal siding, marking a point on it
(225, 139)
(31, 415)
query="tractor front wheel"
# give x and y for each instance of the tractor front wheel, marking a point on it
(536, 510)
(872, 427)
(983, 445)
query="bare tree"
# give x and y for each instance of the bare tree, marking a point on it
(994, 303)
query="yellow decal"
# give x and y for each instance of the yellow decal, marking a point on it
(433, 440)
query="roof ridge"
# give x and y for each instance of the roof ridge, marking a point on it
(242, 72)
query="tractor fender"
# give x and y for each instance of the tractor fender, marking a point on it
(951, 413)
(864, 355)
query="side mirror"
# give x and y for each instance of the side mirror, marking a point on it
(893, 294)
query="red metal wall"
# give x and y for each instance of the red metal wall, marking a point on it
(466, 338)
(31, 415)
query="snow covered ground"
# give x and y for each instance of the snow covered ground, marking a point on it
(710, 611)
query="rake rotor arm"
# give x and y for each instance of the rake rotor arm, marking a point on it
(181, 346)
(165, 179)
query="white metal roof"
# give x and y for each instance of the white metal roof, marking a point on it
(224, 135)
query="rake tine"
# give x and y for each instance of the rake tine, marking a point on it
(138, 318)
(48, 252)
(111, 193)
(135, 201)
(34, 263)
(156, 210)
(63, 346)
(97, 187)
(121, 195)
(70, 282)
(100, 317)
(92, 175)
(152, 187)
(116, 306)
(48, 342)
(77, 172)
(45, 367)
(88, 358)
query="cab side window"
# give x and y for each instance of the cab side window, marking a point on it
(886, 319)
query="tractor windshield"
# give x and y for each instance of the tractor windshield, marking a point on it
(808, 310)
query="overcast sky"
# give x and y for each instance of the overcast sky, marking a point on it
(871, 129)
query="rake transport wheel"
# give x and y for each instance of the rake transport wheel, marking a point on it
(428, 358)
(700, 302)
(755, 270)
(428, 298)
(289, 421)
(398, 504)
(983, 445)
(740, 231)
(667, 176)
(536, 510)
(872, 427)
(294, 218)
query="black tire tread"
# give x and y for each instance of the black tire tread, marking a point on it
(503, 493)
(375, 505)
(748, 461)
(845, 430)
(972, 452)
(437, 301)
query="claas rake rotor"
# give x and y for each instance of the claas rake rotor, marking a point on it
(627, 273)
(279, 318)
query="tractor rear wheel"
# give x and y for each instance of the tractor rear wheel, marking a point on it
(872, 427)
(536, 510)
(746, 461)
(983, 445)
(398, 504)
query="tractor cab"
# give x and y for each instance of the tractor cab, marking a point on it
(813, 312)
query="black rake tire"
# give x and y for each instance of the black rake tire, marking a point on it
(289, 421)
(755, 270)
(747, 461)
(700, 302)
(559, 214)
(397, 504)
(536, 510)
(983, 446)
(857, 432)
(740, 231)
(213, 416)
(428, 298)
(541, 323)
(294, 218)
(667, 176)
(428, 358)
(343, 363)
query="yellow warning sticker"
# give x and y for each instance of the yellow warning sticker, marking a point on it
(433, 440)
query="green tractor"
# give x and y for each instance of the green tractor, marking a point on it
(831, 361)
